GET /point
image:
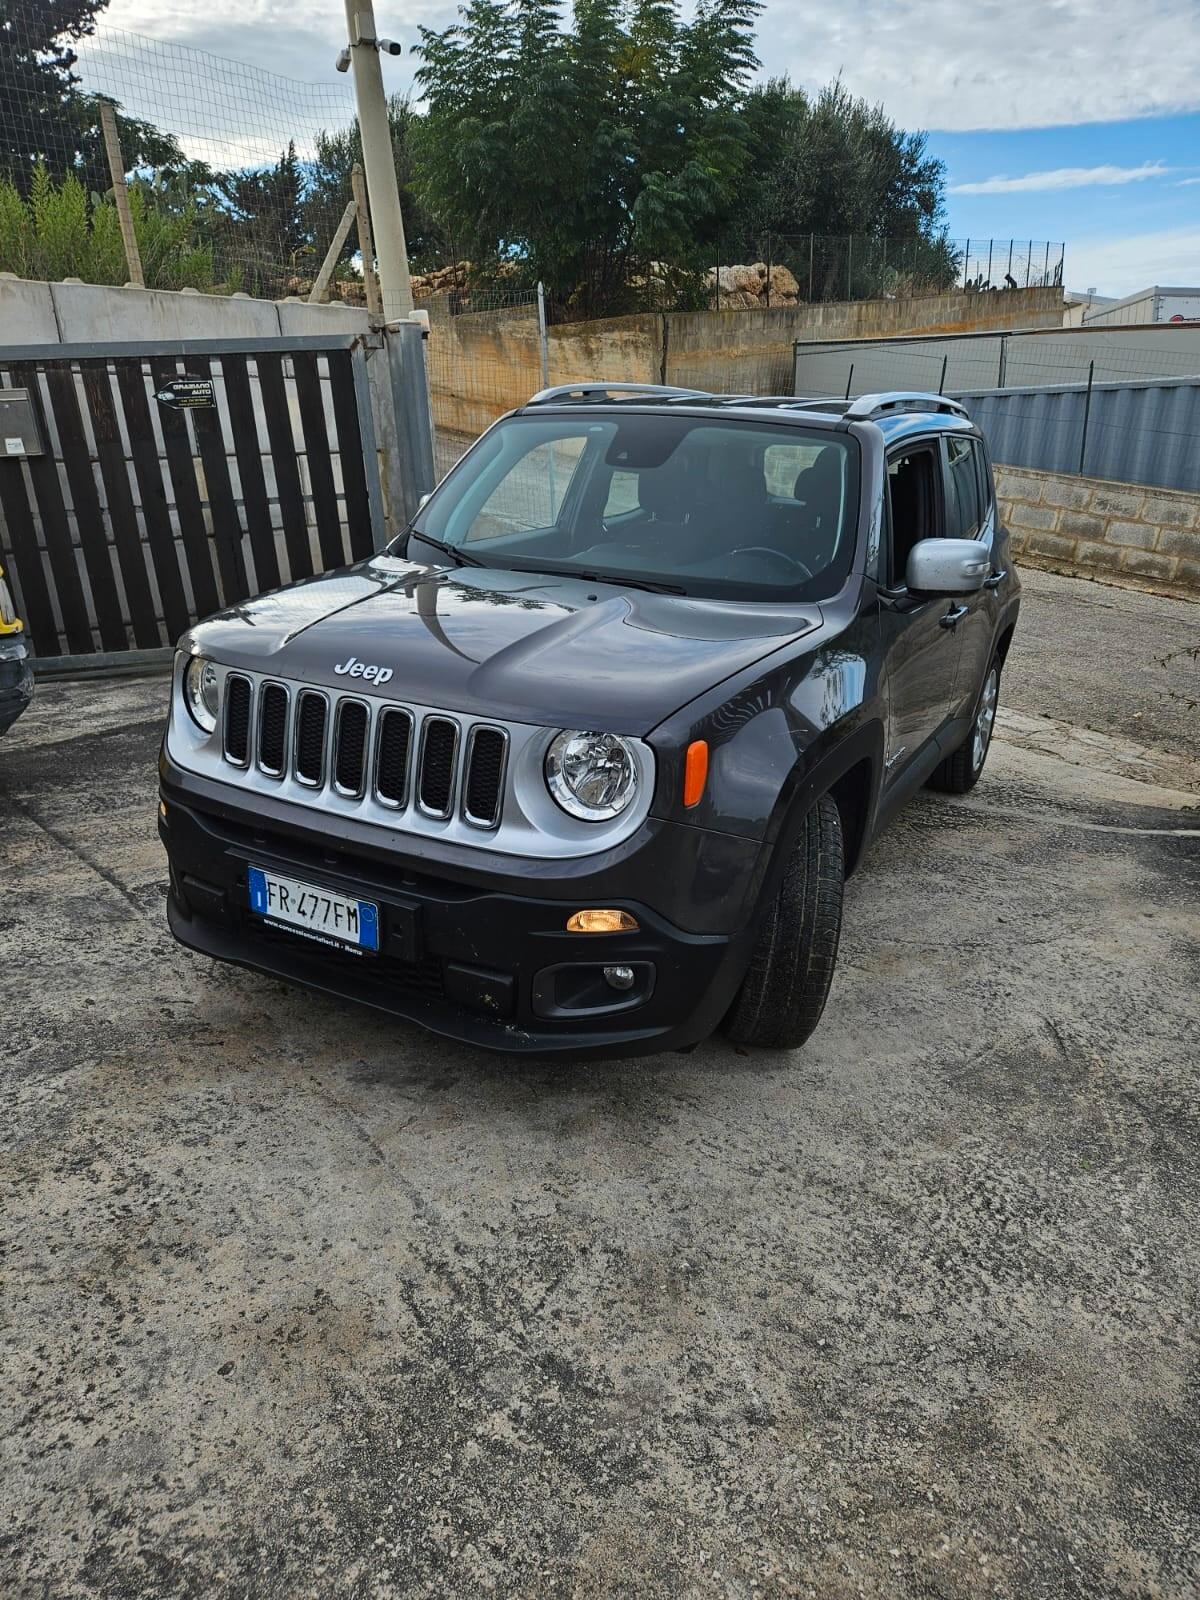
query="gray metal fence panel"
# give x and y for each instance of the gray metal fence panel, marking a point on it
(996, 360)
(1136, 432)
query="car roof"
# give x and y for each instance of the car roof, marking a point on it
(897, 413)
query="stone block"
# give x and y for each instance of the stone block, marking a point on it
(1013, 485)
(1179, 542)
(1050, 544)
(1082, 524)
(1026, 516)
(1073, 492)
(1147, 565)
(1131, 533)
(1104, 556)
(1187, 575)
(1115, 502)
(1172, 511)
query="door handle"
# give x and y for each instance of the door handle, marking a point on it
(953, 617)
(996, 579)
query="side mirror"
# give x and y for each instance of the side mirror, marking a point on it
(947, 566)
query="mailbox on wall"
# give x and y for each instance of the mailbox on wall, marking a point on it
(19, 436)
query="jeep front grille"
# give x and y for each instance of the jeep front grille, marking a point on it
(484, 784)
(397, 757)
(237, 719)
(350, 746)
(391, 756)
(272, 728)
(311, 719)
(439, 752)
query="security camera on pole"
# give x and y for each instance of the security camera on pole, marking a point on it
(390, 249)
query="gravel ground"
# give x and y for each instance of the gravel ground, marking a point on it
(297, 1301)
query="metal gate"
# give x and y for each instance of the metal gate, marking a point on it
(145, 485)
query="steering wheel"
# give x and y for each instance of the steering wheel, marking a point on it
(777, 555)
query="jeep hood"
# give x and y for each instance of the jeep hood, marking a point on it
(525, 647)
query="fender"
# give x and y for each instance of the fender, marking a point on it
(805, 784)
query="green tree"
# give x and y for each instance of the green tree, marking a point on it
(44, 117)
(838, 166)
(328, 188)
(58, 231)
(581, 154)
(259, 226)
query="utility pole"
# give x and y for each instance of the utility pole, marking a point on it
(371, 100)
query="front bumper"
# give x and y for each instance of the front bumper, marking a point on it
(484, 963)
(16, 679)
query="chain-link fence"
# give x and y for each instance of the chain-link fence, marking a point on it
(236, 178)
(485, 354)
(753, 271)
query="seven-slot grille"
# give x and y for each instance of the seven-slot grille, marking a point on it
(398, 760)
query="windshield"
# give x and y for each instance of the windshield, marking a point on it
(688, 504)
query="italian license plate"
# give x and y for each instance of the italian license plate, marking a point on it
(313, 912)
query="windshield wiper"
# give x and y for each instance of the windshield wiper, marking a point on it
(653, 585)
(459, 555)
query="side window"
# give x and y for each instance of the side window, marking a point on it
(912, 492)
(530, 495)
(962, 489)
(987, 493)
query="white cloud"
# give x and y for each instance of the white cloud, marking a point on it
(1063, 178)
(995, 63)
(1123, 266)
(933, 63)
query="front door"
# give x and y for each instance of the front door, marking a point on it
(971, 514)
(919, 634)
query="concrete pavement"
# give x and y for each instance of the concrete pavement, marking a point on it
(297, 1301)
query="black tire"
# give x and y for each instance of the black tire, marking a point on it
(786, 985)
(960, 772)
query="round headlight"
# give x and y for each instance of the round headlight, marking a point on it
(202, 691)
(591, 775)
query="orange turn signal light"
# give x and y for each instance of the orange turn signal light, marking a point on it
(695, 772)
(602, 921)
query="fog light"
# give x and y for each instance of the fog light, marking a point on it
(619, 977)
(602, 921)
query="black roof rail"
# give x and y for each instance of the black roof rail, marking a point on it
(607, 391)
(875, 405)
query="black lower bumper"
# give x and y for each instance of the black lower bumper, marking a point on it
(16, 680)
(488, 968)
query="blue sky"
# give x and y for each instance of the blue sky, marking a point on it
(1099, 89)
(1106, 188)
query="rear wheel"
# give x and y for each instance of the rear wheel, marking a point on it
(784, 991)
(960, 772)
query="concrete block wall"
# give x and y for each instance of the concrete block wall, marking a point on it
(95, 313)
(1095, 527)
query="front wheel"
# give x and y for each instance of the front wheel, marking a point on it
(785, 988)
(960, 772)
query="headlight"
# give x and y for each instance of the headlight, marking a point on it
(202, 691)
(8, 612)
(591, 775)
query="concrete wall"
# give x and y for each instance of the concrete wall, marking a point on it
(753, 350)
(83, 313)
(485, 363)
(1094, 527)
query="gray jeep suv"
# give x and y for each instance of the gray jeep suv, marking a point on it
(581, 761)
